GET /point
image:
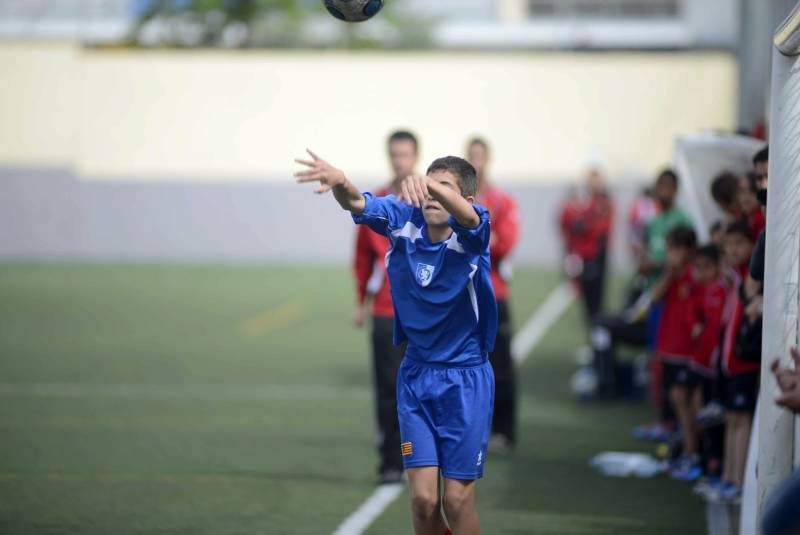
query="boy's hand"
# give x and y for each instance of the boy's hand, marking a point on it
(754, 309)
(414, 190)
(790, 398)
(319, 171)
(787, 379)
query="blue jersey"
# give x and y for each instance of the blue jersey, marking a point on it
(443, 298)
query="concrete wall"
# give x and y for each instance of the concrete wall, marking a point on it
(187, 156)
(227, 115)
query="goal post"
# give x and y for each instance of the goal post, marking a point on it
(776, 426)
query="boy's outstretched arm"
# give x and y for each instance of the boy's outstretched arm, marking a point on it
(415, 189)
(331, 179)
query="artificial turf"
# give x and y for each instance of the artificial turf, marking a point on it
(236, 399)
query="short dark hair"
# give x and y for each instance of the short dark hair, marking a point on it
(461, 168)
(478, 140)
(668, 174)
(724, 188)
(708, 251)
(682, 236)
(752, 181)
(761, 156)
(403, 135)
(740, 227)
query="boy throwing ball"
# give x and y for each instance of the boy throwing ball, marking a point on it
(439, 272)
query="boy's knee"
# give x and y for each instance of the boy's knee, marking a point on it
(424, 504)
(456, 503)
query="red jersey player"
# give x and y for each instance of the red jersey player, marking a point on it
(375, 299)
(505, 231)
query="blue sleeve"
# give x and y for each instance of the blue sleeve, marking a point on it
(383, 214)
(474, 240)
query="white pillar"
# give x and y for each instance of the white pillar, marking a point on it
(776, 426)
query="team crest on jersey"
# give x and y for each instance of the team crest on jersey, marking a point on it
(424, 274)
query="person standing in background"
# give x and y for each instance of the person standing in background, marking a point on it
(642, 210)
(375, 299)
(585, 221)
(505, 232)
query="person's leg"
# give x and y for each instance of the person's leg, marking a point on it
(504, 421)
(742, 393)
(463, 433)
(591, 291)
(679, 396)
(742, 426)
(386, 361)
(727, 461)
(697, 396)
(680, 401)
(426, 506)
(610, 330)
(459, 507)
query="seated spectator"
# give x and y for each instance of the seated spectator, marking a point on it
(636, 325)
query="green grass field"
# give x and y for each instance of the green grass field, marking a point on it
(216, 400)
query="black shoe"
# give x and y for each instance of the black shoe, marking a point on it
(500, 443)
(390, 476)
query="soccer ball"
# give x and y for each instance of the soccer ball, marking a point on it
(353, 10)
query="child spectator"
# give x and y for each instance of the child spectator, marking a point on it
(674, 345)
(740, 367)
(725, 191)
(708, 308)
(751, 208)
(715, 234)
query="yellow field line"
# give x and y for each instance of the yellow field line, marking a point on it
(276, 318)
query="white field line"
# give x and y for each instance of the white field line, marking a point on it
(540, 322)
(524, 342)
(371, 509)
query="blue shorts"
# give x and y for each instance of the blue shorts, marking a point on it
(445, 416)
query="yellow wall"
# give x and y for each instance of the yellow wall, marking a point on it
(196, 115)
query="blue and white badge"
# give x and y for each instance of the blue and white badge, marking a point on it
(424, 274)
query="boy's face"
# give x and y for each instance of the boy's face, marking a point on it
(402, 157)
(737, 249)
(665, 191)
(705, 269)
(677, 255)
(433, 212)
(716, 237)
(478, 156)
(747, 197)
(762, 170)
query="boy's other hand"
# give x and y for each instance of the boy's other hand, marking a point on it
(790, 399)
(318, 170)
(787, 379)
(754, 309)
(414, 190)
